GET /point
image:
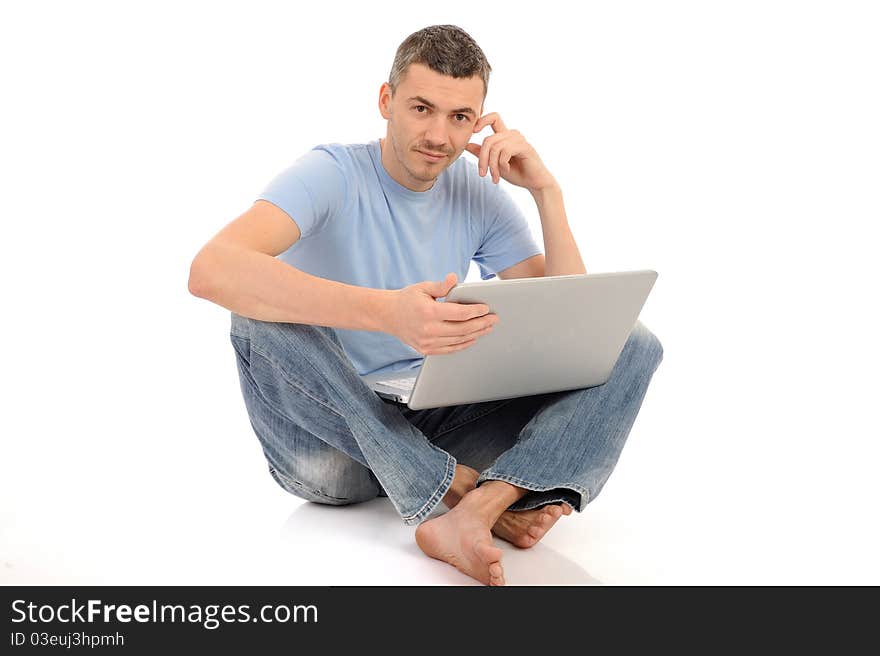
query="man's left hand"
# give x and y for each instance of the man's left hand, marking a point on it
(508, 155)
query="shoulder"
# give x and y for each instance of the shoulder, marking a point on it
(338, 154)
(345, 154)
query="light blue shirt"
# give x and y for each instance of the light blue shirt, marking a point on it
(360, 227)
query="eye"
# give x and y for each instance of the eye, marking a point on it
(464, 116)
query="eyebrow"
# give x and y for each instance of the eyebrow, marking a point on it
(460, 110)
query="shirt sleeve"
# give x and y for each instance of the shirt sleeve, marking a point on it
(311, 191)
(508, 238)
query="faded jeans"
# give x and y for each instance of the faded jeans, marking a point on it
(329, 438)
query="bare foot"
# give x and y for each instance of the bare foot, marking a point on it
(523, 528)
(461, 537)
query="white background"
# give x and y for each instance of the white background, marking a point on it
(730, 146)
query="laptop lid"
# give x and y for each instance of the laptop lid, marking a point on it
(554, 333)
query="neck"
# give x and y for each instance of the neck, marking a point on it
(391, 167)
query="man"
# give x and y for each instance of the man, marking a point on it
(333, 274)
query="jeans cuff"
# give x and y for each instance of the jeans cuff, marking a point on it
(438, 495)
(573, 494)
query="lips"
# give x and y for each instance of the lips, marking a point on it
(432, 157)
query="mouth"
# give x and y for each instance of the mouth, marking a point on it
(431, 157)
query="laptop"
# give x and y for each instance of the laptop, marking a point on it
(554, 333)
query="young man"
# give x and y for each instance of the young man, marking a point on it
(333, 274)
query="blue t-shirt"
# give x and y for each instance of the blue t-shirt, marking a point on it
(361, 227)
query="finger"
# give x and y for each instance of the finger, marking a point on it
(493, 162)
(449, 349)
(504, 162)
(493, 119)
(502, 153)
(459, 336)
(484, 120)
(505, 154)
(489, 151)
(461, 311)
(483, 159)
(449, 329)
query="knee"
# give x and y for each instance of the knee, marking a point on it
(646, 344)
(328, 478)
(280, 333)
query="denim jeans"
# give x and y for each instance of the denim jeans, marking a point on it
(329, 438)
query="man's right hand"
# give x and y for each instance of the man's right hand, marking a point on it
(430, 327)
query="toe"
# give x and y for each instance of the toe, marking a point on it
(495, 570)
(536, 532)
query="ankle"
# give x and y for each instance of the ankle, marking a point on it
(492, 498)
(464, 481)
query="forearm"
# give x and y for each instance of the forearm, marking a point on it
(561, 253)
(265, 288)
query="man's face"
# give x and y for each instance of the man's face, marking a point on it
(430, 113)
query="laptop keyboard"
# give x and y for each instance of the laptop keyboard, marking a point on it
(404, 384)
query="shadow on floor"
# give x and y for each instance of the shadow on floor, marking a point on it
(368, 544)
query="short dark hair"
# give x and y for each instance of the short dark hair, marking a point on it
(445, 49)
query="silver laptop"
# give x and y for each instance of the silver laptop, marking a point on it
(554, 333)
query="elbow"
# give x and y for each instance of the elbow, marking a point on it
(198, 279)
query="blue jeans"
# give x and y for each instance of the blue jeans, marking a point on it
(329, 438)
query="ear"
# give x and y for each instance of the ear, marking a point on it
(385, 100)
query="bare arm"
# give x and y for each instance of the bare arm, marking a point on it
(237, 269)
(562, 255)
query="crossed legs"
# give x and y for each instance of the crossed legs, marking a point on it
(328, 438)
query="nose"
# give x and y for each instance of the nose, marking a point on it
(435, 139)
